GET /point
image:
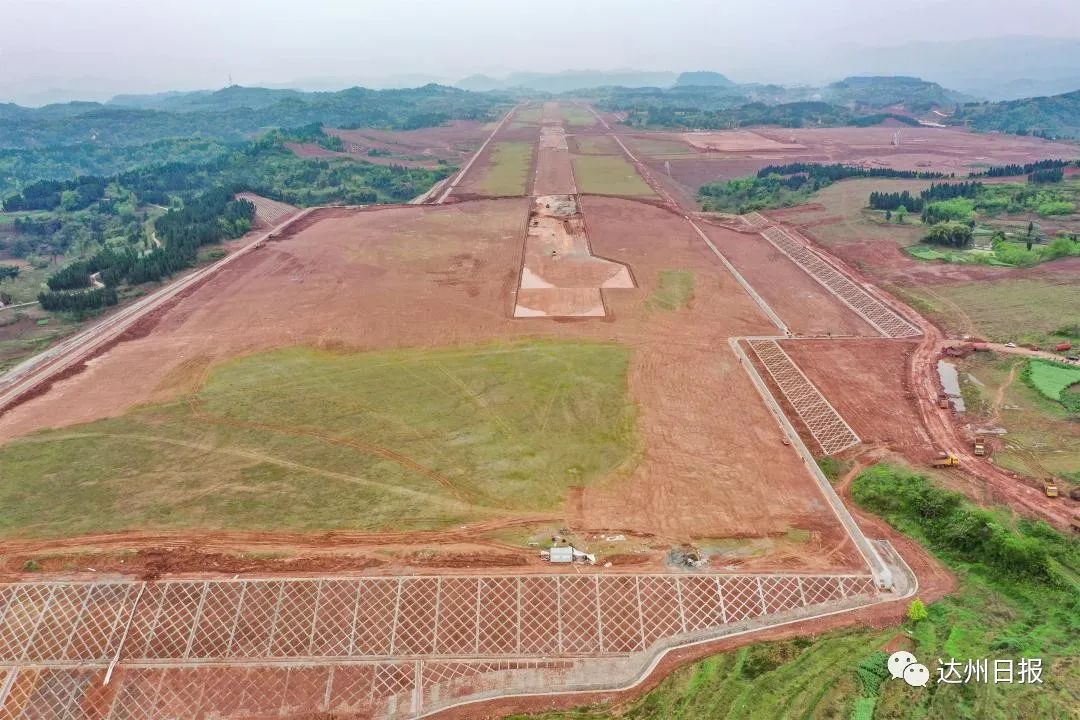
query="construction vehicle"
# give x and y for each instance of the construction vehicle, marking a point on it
(980, 446)
(943, 401)
(1050, 488)
(944, 460)
(1075, 523)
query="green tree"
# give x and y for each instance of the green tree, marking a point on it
(916, 611)
(901, 213)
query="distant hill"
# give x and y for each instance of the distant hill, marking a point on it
(236, 114)
(1056, 116)
(229, 98)
(999, 68)
(703, 78)
(881, 91)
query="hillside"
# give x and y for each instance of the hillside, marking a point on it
(235, 114)
(880, 91)
(1056, 116)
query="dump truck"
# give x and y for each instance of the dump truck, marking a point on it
(1063, 347)
(980, 446)
(945, 459)
(1075, 523)
(943, 401)
(1050, 488)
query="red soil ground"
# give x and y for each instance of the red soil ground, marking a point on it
(351, 283)
(801, 302)
(310, 150)
(451, 142)
(950, 150)
(867, 382)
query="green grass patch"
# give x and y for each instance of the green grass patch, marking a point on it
(529, 115)
(609, 175)
(674, 291)
(596, 145)
(995, 614)
(657, 147)
(508, 171)
(1011, 309)
(832, 467)
(309, 440)
(577, 116)
(1055, 381)
(1051, 378)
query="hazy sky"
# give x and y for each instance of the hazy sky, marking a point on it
(94, 48)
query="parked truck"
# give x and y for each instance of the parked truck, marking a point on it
(980, 446)
(1050, 488)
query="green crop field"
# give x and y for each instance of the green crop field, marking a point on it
(609, 175)
(310, 440)
(675, 290)
(995, 614)
(508, 172)
(576, 116)
(1051, 378)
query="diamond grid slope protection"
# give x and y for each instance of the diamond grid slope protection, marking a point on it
(499, 619)
(332, 634)
(457, 621)
(824, 423)
(25, 609)
(295, 619)
(620, 617)
(57, 622)
(448, 616)
(220, 614)
(100, 628)
(872, 310)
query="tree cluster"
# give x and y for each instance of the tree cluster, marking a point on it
(51, 195)
(950, 233)
(78, 301)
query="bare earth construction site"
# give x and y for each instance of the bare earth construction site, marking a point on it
(408, 400)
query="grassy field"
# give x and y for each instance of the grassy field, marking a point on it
(596, 145)
(308, 440)
(1040, 438)
(508, 172)
(1051, 378)
(674, 292)
(529, 115)
(658, 147)
(576, 116)
(842, 674)
(609, 175)
(1021, 310)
